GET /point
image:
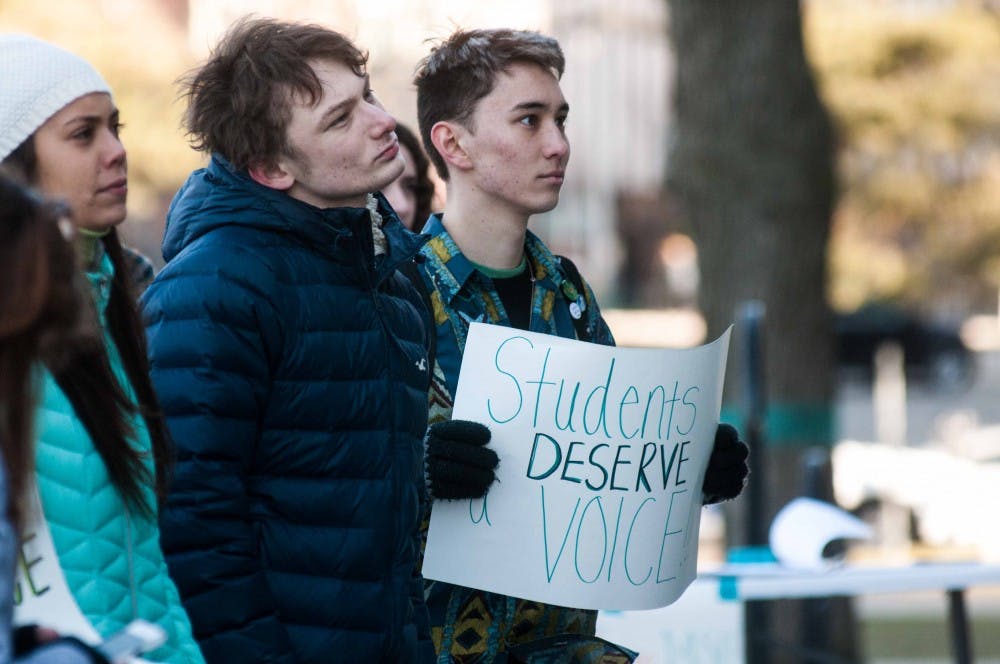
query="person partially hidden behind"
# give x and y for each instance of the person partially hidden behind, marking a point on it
(412, 193)
(492, 118)
(40, 311)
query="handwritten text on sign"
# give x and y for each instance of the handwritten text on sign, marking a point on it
(602, 456)
(41, 595)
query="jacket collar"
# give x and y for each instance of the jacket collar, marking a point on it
(456, 270)
(220, 195)
(100, 279)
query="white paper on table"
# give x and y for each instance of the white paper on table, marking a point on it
(572, 521)
(805, 526)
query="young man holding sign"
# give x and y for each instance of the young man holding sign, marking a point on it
(492, 117)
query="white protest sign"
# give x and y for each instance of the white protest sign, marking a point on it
(41, 595)
(602, 455)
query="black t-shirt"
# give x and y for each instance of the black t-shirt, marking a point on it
(515, 293)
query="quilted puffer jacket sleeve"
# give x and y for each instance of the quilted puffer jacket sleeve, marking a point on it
(209, 359)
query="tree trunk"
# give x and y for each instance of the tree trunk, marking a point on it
(751, 165)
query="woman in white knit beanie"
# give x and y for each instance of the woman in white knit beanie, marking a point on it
(101, 449)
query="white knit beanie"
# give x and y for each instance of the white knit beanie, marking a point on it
(37, 80)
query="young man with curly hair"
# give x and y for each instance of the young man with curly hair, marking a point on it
(290, 358)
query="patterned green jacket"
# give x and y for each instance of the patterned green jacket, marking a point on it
(472, 626)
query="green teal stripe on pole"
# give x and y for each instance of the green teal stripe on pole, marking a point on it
(790, 425)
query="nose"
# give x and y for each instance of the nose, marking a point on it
(113, 150)
(556, 144)
(382, 121)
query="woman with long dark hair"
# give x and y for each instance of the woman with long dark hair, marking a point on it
(39, 310)
(101, 449)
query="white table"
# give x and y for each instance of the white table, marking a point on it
(765, 581)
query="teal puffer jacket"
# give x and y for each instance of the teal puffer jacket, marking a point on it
(110, 556)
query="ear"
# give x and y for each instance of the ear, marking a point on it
(275, 176)
(448, 139)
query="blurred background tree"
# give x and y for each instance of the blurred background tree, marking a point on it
(752, 167)
(914, 216)
(915, 90)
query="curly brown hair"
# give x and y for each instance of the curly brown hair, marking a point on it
(239, 101)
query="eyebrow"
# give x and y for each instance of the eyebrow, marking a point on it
(342, 105)
(92, 118)
(539, 106)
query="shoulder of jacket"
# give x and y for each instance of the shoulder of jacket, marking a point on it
(227, 254)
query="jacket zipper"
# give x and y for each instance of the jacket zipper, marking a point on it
(133, 593)
(368, 262)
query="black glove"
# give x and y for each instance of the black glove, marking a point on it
(457, 460)
(727, 467)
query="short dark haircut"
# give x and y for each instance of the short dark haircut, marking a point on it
(463, 69)
(240, 99)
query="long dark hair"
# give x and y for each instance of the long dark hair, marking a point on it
(98, 399)
(39, 310)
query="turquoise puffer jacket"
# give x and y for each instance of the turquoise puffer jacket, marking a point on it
(110, 556)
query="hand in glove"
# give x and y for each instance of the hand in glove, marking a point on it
(457, 461)
(727, 467)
